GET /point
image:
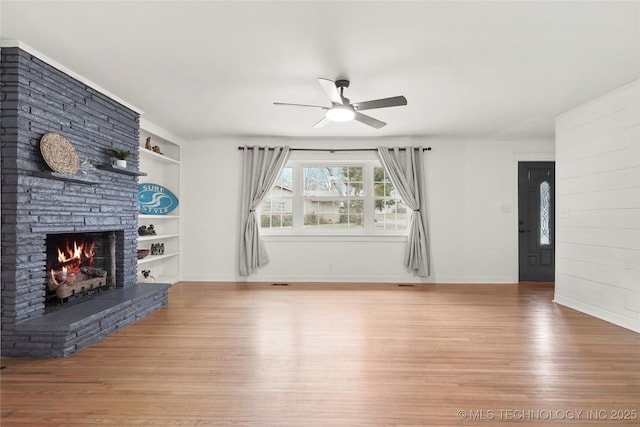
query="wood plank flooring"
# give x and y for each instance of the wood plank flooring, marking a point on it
(340, 355)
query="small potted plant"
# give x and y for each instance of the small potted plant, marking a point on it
(120, 155)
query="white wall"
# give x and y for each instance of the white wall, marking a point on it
(598, 207)
(471, 189)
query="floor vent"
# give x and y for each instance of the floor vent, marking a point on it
(280, 284)
(409, 285)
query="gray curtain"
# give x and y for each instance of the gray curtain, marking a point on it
(261, 167)
(405, 168)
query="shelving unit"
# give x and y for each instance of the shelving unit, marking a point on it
(162, 169)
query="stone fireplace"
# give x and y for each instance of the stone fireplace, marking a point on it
(39, 207)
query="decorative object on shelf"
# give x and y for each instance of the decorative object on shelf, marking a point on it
(143, 253)
(120, 157)
(87, 168)
(157, 249)
(147, 144)
(143, 230)
(155, 199)
(156, 149)
(59, 153)
(147, 277)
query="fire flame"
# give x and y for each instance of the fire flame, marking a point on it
(77, 251)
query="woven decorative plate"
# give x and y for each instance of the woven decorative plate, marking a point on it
(59, 154)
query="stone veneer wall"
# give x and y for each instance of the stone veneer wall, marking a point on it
(36, 98)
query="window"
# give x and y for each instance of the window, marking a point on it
(333, 197)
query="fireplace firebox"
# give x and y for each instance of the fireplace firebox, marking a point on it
(79, 265)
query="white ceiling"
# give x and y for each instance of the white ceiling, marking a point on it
(210, 68)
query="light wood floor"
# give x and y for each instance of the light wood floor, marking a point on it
(340, 355)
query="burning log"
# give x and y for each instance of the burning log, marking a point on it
(89, 278)
(69, 262)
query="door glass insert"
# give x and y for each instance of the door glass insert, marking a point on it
(545, 212)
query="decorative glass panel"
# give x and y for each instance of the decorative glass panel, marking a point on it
(545, 212)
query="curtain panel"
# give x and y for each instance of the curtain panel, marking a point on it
(261, 167)
(406, 171)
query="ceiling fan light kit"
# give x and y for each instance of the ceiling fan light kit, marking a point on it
(340, 113)
(342, 110)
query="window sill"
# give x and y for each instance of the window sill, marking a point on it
(334, 237)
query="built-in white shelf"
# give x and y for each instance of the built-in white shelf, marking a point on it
(141, 216)
(157, 237)
(154, 258)
(156, 156)
(162, 169)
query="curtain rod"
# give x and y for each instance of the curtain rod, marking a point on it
(333, 150)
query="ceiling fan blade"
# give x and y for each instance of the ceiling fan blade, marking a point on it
(329, 87)
(394, 101)
(320, 123)
(301, 105)
(368, 120)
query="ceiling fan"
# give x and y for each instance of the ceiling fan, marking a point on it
(343, 110)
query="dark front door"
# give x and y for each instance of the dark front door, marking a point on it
(536, 209)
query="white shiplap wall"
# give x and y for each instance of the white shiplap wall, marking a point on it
(598, 207)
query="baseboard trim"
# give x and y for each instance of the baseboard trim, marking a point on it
(352, 279)
(598, 312)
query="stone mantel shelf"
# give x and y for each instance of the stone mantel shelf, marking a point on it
(65, 177)
(125, 171)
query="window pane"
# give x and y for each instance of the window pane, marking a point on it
(354, 179)
(277, 213)
(321, 181)
(545, 212)
(390, 214)
(333, 181)
(284, 185)
(276, 221)
(277, 208)
(334, 214)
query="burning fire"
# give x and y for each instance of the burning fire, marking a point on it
(70, 259)
(80, 252)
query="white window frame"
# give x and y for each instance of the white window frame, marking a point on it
(298, 232)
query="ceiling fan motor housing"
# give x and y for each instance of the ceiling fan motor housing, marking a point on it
(341, 85)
